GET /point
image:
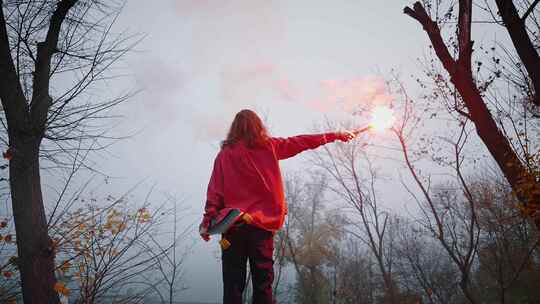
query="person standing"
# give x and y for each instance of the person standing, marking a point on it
(246, 176)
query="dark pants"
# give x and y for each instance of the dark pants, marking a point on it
(257, 246)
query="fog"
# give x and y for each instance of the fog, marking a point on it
(298, 63)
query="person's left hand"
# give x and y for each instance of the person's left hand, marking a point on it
(345, 136)
(203, 232)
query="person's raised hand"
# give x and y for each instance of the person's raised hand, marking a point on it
(345, 136)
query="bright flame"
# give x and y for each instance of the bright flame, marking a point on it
(381, 118)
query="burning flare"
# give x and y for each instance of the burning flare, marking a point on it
(381, 118)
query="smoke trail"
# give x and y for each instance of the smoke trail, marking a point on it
(352, 95)
(265, 86)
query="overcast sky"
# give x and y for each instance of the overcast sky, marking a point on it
(295, 62)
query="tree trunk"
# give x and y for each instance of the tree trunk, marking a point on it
(522, 43)
(521, 181)
(35, 248)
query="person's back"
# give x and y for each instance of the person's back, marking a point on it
(251, 183)
(246, 176)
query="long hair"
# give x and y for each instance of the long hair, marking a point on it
(246, 127)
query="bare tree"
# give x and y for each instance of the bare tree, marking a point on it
(280, 245)
(507, 265)
(358, 191)
(357, 281)
(450, 213)
(459, 213)
(68, 43)
(169, 257)
(424, 267)
(470, 98)
(311, 237)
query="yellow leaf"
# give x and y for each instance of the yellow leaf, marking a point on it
(61, 289)
(65, 266)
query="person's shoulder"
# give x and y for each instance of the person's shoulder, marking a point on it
(221, 155)
(228, 149)
(273, 140)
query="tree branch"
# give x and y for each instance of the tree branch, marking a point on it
(529, 10)
(522, 42)
(11, 93)
(41, 99)
(419, 13)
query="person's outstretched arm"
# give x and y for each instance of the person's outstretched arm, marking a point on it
(214, 198)
(290, 146)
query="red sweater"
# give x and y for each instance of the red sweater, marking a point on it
(250, 179)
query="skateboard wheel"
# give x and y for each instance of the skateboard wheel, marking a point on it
(224, 244)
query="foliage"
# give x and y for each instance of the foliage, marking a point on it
(101, 247)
